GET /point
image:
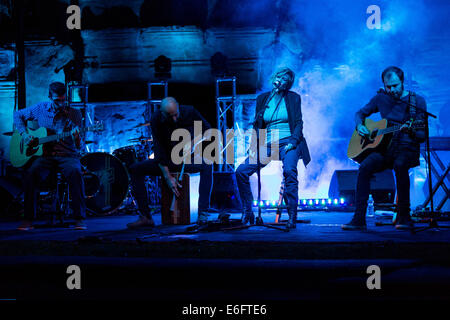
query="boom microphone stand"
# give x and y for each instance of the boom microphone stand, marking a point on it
(433, 220)
(432, 224)
(258, 119)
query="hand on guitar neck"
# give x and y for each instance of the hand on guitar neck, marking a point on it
(407, 126)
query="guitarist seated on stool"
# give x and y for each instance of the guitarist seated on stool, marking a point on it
(164, 122)
(56, 117)
(401, 154)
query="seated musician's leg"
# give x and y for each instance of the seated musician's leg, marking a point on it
(290, 174)
(39, 169)
(374, 162)
(138, 172)
(401, 168)
(243, 173)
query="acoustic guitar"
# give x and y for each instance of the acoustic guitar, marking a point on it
(20, 153)
(360, 147)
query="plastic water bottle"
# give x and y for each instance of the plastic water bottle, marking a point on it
(370, 208)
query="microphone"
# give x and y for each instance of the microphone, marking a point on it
(277, 85)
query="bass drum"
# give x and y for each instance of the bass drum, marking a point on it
(113, 182)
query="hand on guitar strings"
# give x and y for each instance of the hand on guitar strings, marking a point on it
(27, 138)
(362, 130)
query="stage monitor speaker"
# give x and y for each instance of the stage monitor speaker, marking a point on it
(343, 185)
(225, 193)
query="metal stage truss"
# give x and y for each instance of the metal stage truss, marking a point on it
(225, 108)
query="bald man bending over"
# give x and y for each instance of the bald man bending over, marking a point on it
(164, 122)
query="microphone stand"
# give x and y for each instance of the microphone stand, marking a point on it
(432, 224)
(259, 221)
(433, 220)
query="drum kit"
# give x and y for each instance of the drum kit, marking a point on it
(107, 176)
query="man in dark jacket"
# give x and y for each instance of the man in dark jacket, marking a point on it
(164, 122)
(279, 112)
(398, 106)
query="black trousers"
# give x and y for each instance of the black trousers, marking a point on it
(150, 167)
(39, 171)
(376, 162)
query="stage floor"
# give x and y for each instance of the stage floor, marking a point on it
(315, 261)
(323, 227)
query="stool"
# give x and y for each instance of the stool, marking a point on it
(54, 198)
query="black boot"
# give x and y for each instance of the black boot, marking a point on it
(248, 216)
(358, 221)
(404, 221)
(292, 222)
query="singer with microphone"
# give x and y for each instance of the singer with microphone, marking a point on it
(399, 107)
(279, 112)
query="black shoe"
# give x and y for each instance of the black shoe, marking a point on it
(248, 217)
(224, 217)
(202, 218)
(404, 223)
(292, 222)
(80, 225)
(142, 222)
(355, 224)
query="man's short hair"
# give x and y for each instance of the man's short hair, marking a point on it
(393, 69)
(281, 72)
(57, 88)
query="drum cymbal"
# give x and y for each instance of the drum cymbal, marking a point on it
(9, 133)
(146, 124)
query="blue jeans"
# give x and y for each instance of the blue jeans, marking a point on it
(289, 159)
(150, 167)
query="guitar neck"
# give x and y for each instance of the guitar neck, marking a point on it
(60, 136)
(394, 128)
(388, 130)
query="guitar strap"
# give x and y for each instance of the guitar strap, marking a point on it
(412, 105)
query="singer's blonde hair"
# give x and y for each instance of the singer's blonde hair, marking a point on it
(281, 72)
